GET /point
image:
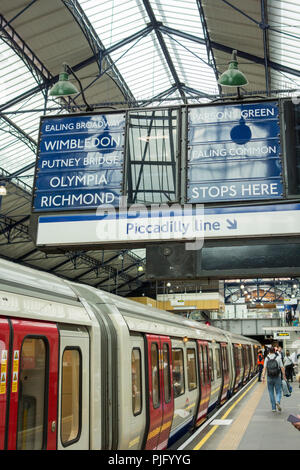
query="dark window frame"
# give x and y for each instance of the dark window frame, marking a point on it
(46, 387)
(135, 348)
(77, 438)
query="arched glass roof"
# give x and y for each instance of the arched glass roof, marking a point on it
(127, 53)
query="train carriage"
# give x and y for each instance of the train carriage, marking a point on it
(85, 369)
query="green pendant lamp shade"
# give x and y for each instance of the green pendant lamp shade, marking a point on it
(63, 87)
(233, 76)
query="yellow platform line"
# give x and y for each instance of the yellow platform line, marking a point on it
(238, 428)
(214, 428)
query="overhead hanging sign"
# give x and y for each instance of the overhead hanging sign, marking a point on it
(79, 162)
(234, 153)
(171, 225)
(281, 335)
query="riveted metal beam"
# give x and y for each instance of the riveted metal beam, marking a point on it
(164, 48)
(227, 49)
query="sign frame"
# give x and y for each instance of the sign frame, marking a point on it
(240, 200)
(36, 169)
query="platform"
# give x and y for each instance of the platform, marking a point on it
(247, 423)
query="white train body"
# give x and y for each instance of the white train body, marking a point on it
(85, 369)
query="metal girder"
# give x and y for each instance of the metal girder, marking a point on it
(16, 131)
(223, 48)
(163, 29)
(161, 96)
(95, 44)
(164, 48)
(139, 34)
(128, 282)
(93, 268)
(32, 62)
(279, 288)
(129, 279)
(47, 84)
(25, 255)
(88, 260)
(210, 54)
(264, 26)
(12, 229)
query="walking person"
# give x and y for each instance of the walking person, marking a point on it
(260, 363)
(288, 366)
(273, 367)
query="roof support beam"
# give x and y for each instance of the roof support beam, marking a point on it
(264, 26)
(10, 224)
(19, 133)
(228, 50)
(210, 53)
(96, 44)
(33, 63)
(76, 68)
(93, 268)
(164, 48)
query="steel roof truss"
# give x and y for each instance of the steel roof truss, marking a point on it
(164, 48)
(32, 62)
(223, 48)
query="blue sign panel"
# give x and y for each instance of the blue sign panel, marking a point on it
(234, 153)
(80, 162)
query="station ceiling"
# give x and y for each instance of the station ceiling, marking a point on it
(126, 53)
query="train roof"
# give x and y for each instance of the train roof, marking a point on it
(19, 279)
(140, 317)
(14, 277)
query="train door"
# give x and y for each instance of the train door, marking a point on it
(193, 390)
(246, 363)
(218, 378)
(205, 381)
(250, 361)
(4, 350)
(137, 417)
(73, 406)
(32, 385)
(225, 370)
(161, 401)
(237, 367)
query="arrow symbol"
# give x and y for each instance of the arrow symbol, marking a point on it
(232, 225)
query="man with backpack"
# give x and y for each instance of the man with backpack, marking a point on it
(273, 367)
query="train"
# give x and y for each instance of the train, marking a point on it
(82, 368)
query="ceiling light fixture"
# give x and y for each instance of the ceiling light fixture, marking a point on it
(233, 76)
(64, 87)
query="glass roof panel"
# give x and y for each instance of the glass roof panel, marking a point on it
(284, 37)
(142, 63)
(114, 20)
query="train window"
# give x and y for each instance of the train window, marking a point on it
(211, 364)
(250, 356)
(191, 369)
(206, 365)
(237, 357)
(71, 396)
(218, 363)
(155, 375)
(32, 390)
(240, 357)
(202, 365)
(225, 359)
(136, 378)
(167, 377)
(178, 376)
